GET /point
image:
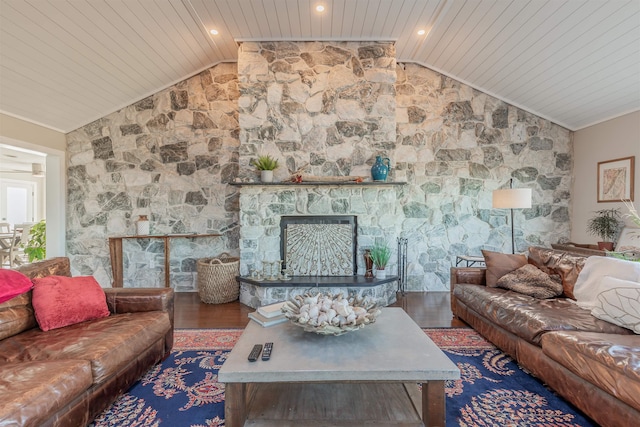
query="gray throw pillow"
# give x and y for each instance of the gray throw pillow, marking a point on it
(531, 281)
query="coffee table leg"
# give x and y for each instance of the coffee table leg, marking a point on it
(433, 404)
(235, 405)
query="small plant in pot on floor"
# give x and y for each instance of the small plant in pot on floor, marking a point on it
(380, 254)
(266, 165)
(36, 247)
(605, 225)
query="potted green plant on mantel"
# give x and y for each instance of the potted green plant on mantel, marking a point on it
(605, 225)
(380, 254)
(266, 165)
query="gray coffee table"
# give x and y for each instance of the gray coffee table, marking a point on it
(367, 376)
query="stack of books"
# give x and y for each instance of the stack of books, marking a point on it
(269, 315)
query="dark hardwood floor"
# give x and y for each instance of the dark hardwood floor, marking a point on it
(427, 309)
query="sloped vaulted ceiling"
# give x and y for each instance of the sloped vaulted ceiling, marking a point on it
(64, 64)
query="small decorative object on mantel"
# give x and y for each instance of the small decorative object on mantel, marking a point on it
(327, 314)
(380, 254)
(380, 169)
(605, 224)
(266, 165)
(368, 264)
(142, 225)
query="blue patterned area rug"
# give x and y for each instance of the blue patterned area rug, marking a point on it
(493, 390)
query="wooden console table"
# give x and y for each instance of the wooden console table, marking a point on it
(115, 251)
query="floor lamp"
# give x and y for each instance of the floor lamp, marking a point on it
(512, 198)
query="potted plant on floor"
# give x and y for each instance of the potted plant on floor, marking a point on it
(36, 247)
(605, 224)
(380, 253)
(266, 165)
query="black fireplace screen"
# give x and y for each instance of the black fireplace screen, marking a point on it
(319, 245)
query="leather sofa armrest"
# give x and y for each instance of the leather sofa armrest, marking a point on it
(131, 300)
(466, 275)
(469, 275)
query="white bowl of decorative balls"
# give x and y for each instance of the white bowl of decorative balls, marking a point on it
(327, 314)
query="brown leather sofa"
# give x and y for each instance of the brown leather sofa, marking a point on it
(591, 363)
(67, 376)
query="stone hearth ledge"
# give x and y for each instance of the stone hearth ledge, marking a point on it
(259, 293)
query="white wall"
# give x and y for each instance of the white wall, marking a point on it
(13, 128)
(613, 139)
(20, 133)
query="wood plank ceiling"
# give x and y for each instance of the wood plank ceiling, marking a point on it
(66, 63)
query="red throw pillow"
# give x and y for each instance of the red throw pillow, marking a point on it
(12, 284)
(62, 301)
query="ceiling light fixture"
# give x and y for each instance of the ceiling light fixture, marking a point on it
(36, 170)
(214, 32)
(421, 32)
(320, 8)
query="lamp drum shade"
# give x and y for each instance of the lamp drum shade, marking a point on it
(512, 198)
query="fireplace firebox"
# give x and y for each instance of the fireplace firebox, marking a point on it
(319, 245)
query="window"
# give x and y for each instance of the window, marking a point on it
(17, 201)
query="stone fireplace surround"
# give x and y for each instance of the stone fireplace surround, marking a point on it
(261, 209)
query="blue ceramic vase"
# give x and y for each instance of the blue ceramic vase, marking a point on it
(380, 168)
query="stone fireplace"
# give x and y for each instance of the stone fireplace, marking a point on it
(263, 207)
(328, 108)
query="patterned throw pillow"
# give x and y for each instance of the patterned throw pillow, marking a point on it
(567, 265)
(531, 281)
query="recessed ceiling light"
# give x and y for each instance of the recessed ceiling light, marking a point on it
(320, 8)
(214, 32)
(421, 32)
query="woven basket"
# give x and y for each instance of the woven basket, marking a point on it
(217, 282)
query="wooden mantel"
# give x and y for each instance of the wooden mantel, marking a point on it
(318, 183)
(115, 250)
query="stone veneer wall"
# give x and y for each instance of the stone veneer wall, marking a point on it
(455, 145)
(334, 106)
(330, 106)
(169, 156)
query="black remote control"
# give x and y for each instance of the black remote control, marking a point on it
(266, 354)
(255, 352)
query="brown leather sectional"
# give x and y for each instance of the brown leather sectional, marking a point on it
(591, 363)
(67, 376)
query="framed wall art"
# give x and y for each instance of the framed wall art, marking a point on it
(615, 180)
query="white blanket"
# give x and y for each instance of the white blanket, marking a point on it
(589, 283)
